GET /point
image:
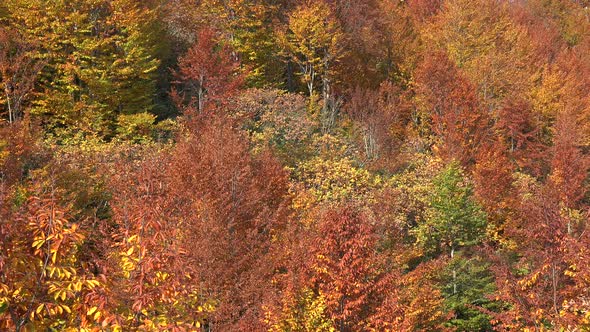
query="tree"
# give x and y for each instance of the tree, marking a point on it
(232, 206)
(413, 302)
(455, 220)
(493, 178)
(151, 285)
(345, 266)
(520, 129)
(100, 60)
(18, 72)
(313, 41)
(539, 277)
(43, 282)
(457, 120)
(278, 121)
(248, 27)
(454, 224)
(383, 116)
(493, 52)
(335, 257)
(206, 72)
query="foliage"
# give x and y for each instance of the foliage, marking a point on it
(283, 165)
(312, 42)
(99, 61)
(454, 219)
(206, 72)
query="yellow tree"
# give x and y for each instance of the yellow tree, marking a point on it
(313, 41)
(480, 37)
(100, 61)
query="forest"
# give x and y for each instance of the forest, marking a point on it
(295, 165)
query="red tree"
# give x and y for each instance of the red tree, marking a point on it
(383, 115)
(492, 177)
(233, 205)
(336, 257)
(345, 266)
(520, 129)
(202, 215)
(458, 121)
(206, 73)
(548, 231)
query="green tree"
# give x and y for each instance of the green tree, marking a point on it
(455, 223)
(454, 219)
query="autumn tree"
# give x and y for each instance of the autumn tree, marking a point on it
(542, 283)
(459, 123)
(492, 180)
(358, 22)
(383, 116)
(232, 204)
(248, 27)
(18, 72)
(43, 282)
(346, 266)
(493, 51)
(413, 301)
(343, 269)
(146, 254)
(398, 40)
(278, 121)
(313, 41)
(521, 129)
(100, 60)
(206, 72)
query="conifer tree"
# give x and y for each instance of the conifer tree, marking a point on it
(454, 224)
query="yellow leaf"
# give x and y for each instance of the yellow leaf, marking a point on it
(91, 311)
(38, 243)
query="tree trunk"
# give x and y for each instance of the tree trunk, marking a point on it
(10, 114)
(454, 271)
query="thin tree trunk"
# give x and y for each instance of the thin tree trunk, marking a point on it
(454, 271)
(10, 115)
(554, 284)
